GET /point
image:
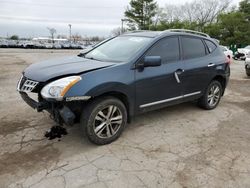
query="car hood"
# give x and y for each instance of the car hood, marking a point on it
(46, 70)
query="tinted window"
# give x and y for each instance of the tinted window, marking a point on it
(167, 48)
(211, 46)
(192, 48)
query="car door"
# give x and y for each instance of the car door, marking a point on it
(199, 68)
(157, 86)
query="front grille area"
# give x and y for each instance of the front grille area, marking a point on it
(26, 85)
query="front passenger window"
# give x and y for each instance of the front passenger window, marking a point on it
(167, 49)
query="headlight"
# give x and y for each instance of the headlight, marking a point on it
(57, 89)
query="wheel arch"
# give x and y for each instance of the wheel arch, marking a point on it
(123, 98)
(222, 80)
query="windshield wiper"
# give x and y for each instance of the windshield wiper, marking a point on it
(92, 58)
(81, 55)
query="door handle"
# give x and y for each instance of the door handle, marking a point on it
(210, 64)
(177, 77)
(177, 73)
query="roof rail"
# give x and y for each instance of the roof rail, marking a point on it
(137, 31)
(188, 31)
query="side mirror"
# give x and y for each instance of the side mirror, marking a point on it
(152, 61)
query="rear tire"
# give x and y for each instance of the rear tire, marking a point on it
(103, 120)
(248, 72)
(212, 96)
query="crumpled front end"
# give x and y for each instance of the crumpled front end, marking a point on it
(62, 112)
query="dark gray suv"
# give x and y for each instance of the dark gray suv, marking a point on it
(125, 76)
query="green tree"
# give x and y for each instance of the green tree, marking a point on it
(140, 14)
(14, 37)
(213, 29)
(234, 28)
(245, 7)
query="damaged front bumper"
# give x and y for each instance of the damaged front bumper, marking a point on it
(61, 113)
(39, 106)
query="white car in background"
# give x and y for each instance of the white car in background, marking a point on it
(247, 64)
(242, 52)
(227, 52)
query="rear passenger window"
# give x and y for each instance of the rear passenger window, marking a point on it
(167, 48)
(211, 46)
(192, 48)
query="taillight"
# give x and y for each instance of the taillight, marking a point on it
(228, 60)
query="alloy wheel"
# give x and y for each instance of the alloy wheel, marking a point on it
(213, 95)
(108, 121)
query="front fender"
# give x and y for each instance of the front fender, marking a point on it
(113, 88)
(110, 87)
(104, 80)
(115, 79)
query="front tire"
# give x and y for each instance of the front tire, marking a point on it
(212, 96)
(103, 120)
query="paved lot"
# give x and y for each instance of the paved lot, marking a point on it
(180, 146)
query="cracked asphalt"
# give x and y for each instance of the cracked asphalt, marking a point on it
(180, 146)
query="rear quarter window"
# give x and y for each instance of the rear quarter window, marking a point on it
(193, 48)
(211, 46)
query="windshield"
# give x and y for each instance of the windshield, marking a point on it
(119, 49)
(247, 47)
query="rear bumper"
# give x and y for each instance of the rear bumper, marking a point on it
(227, 75)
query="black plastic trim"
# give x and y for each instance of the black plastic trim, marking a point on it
(39, 106)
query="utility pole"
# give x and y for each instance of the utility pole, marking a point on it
(122, 24)
(122, 29)
(70, 32)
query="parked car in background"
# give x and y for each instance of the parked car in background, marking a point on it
(28, 44)
(40, 44)
(227, 52)
(3, 43)
(242, 53)
(48, 45)
(57, 46)
(126, 76)
(247, 65)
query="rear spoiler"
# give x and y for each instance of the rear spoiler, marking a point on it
(216, 40)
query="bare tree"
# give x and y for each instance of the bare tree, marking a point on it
(201, 12)
(172, 13)
(159, 16)
(52, 32)
(76, 37)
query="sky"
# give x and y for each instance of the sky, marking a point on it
(31, 18)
